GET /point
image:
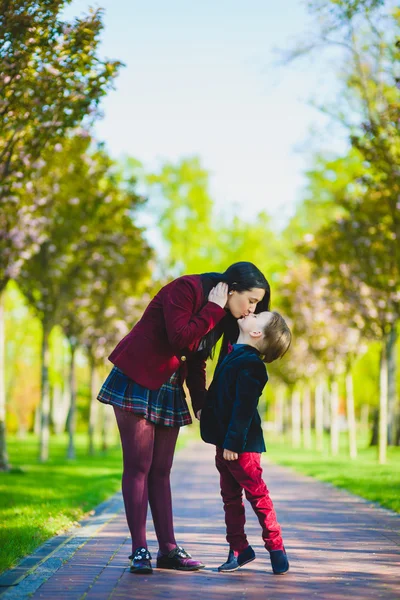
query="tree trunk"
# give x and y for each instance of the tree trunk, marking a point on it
(279, 408)
(383, 406)
(22, 431)
(351, 419)
(319, 415)
(287, 409)
(59, 409)
(71, 421)
(67, 390)
(44, 433)
(327, 406)
(4, 464)
(334, 398)
(36, 420)
(392, 392)
(397, 438)
(375, 429)
(93, 409)
(296, 419)
(364, 418)
(306, 414)
(104, 429)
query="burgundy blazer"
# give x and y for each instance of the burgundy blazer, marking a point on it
(167, 336)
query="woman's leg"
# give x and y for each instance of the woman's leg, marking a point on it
(137, 438)
(160, 487)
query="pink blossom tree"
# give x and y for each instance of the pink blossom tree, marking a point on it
(51, 80)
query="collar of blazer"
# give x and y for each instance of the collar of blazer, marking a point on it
(238, 350)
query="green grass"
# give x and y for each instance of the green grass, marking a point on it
(38, 501)
(362, 476)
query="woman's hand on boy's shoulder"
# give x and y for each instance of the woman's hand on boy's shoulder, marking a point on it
(229, 455)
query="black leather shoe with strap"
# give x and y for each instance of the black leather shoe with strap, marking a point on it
(140, 561)
(178, 559)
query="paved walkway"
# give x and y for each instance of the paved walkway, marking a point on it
(338, 545)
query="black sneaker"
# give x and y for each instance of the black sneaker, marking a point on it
(140, 561)
(279, 561)
(235, 562)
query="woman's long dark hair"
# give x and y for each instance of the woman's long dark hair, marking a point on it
(240, 276)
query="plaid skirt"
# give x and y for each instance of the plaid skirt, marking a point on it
(165, 406)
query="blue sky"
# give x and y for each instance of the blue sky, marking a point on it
(202, 78)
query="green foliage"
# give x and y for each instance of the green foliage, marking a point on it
(344, 10)
(52, 79)
(91, 236)
(199, 240)
(22, 350)
(327, 181)
(51, 74)
(185, 214)
(366, 377)
(254, 240)
(348, 224)
(360, 251)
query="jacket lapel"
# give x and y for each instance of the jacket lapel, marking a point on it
(235, 354)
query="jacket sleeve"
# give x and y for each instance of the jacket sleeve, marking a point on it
(196, 381)
(249, 385)
(183, 327)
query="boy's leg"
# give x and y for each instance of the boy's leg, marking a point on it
(247, 472)
(232, 496)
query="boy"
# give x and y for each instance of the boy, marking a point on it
(230, 420)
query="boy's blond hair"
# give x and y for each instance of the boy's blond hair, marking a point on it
(276, 339)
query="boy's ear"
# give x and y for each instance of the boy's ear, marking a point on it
(256, 334)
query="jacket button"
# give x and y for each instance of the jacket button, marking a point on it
(183, 358)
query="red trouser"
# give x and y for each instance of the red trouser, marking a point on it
(245, 473)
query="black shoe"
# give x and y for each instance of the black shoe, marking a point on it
(235, 562)
(178, 559)
(279, 561)
(140, 561)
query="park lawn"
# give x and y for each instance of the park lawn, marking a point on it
(38, 501)
(362, 476)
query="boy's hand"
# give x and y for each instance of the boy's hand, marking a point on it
(229, 455)
(198, 414)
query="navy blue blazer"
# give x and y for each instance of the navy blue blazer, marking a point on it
(230, 418)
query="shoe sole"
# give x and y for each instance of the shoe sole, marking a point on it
(238, 567)
(280, 572)
(141, 571)
(182, 568)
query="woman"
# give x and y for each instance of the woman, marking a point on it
(170, 344)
